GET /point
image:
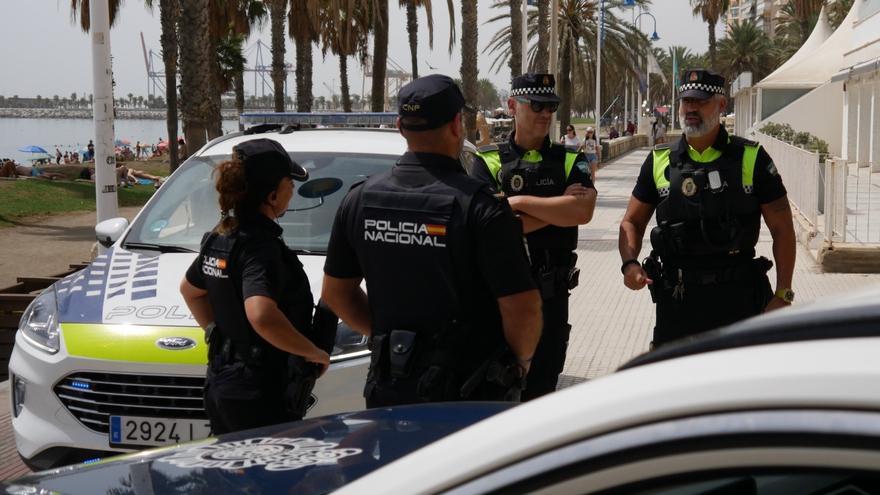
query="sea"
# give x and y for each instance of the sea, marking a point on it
(74, 134)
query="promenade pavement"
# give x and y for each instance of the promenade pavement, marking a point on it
(610, 323)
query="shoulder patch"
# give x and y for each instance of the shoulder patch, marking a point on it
(487, 148)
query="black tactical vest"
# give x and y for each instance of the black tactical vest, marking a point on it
(414, 247)
(545, 179)
(705, 217)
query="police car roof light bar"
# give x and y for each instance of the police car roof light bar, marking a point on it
(329, 119)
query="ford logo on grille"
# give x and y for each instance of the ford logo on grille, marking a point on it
(175, 343)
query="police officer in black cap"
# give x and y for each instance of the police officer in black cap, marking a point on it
(450, 308)
(551, 190)
(710, 191)
(250, 293)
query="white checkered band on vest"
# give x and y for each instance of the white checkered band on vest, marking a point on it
(531, 91)
(702, 87)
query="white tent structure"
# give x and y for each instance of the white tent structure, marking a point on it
(746, 96)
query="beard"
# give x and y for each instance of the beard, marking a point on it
(701, 129)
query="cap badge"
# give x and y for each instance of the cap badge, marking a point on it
(688, 187)
(693, 76)
(546, 81)
(516, 183)
(411, 107)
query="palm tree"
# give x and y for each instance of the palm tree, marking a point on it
(541, 63)
(469, 62)
(277, 12)
(302, 31)
(746, 48)
(344, 33)
(837, 12)
(380, 53)
(412, 28)
(197, 59)
(516, 53)
(710, 11)
(81, 7)
(797, 18)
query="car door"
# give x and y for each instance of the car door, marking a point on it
(806, 451)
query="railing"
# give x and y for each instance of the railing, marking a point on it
(835, 200)
(800, 170)
(852, 198)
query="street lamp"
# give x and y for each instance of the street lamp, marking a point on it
(654, 36)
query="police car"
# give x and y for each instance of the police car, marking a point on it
(786, 403)
(109, 359)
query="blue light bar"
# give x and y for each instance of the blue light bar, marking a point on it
(80, 385)
(92, 461)
(329, 119)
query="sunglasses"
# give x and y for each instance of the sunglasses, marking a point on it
(539, 106)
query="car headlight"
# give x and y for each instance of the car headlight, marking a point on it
(39, 323)
(348, 343)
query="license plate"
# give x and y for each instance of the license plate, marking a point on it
(134, 430)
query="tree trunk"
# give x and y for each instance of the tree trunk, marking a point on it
(380, 57)
(565, 87)
(277, 10)
(712, 45)
(343, 82)
(469, 62)
(542, 58)
(412, 28)
(516, 53)
(169, 11)
(239, 96)
(196, 78)
(303, 74)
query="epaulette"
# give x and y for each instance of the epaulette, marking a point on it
(487, 148)
(662, 146)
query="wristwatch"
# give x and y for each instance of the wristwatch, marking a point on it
(786, 295)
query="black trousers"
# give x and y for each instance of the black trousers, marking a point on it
(239, 397)
(549, 357)
(710, 306)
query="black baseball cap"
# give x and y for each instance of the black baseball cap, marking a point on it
(537, 87)
(429, 102)
(700, 84)
(266, 162)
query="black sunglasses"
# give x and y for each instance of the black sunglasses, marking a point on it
(539, 106)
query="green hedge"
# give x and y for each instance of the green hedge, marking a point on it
(805, 140)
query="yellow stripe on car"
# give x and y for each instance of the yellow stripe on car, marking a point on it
(132, 343)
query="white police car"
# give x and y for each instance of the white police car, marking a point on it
(110, 359)
(786, 403)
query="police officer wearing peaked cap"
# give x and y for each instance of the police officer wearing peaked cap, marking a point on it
(710, 191)
(250, 293)
(551, 190)
(450, 308)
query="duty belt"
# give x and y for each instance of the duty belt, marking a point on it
(224, 350)
(740, 272)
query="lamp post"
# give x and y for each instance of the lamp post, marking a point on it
(654, 37)
(600, 25)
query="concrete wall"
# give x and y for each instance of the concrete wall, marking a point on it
(612, 148)
(819, 112)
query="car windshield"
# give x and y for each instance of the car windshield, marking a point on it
(186, 205)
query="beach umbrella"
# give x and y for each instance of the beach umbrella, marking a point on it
(123, 142)
(33, 149)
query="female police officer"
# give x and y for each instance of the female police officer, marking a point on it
(250, 293)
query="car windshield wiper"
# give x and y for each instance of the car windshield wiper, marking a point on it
(162, 248)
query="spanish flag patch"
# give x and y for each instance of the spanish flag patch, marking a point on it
(434, 229)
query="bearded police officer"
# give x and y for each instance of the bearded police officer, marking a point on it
(551, 190)
(710, 191)
(450, 308)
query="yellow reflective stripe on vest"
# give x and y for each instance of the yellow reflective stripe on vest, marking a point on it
(532, 156)
(132, 343)
(750, 156)
(661, 161)
(493, 163)
(569, 163)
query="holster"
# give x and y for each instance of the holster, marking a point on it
(654, 270)
(502, 370)
(402, 353)
(300, 383)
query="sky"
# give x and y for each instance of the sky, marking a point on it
(45, 53)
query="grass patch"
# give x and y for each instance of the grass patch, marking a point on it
(32, 197)
(582, 120)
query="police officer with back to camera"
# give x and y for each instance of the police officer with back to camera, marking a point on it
(710, 191)
(250, 293)
(450, 308)
(551, 190)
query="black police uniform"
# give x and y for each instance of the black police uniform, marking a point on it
(707, 233)
(546, 173)
(434, 247)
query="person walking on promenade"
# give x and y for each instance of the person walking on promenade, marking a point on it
(710, 191)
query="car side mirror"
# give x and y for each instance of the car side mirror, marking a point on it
(109, 231)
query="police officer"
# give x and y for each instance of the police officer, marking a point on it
(551, 190)
(250, 293)
(448, 287)
(710, 191)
